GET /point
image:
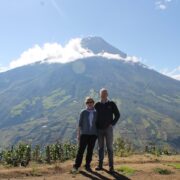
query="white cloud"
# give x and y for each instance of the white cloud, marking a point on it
(133, 59)
(56, 53)
(175, 73)
(52, 53)
(162, 4)
(109, 55)
(177, 77)
(35, 54)
(3, 69)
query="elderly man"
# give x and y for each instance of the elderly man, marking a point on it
(107, 116)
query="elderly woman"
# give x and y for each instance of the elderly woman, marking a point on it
(87, 134)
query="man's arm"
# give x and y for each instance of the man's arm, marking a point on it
(96, 107)
(116, 114)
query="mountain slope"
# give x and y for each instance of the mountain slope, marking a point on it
(41, 102)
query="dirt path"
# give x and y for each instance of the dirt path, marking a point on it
(143, 170)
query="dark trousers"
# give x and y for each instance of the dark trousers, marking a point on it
(85, 141)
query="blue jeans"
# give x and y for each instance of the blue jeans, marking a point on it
(105, 135)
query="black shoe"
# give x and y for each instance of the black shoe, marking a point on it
(99, 168)
(111, 170)
(88, 168)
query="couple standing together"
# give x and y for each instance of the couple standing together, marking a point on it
(96, 122)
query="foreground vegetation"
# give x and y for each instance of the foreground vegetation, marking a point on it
(22, 154)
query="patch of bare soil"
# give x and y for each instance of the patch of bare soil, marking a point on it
(143, 165)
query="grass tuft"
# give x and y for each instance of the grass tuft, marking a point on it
(163, 171)
(175, 165)
(126, 170)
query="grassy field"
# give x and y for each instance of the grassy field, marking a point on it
(140, 167)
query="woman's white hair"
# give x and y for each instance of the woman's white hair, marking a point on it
(89, 98)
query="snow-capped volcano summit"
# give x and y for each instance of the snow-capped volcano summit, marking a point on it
(98, 45)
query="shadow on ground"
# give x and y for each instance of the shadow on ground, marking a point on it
(94, 175)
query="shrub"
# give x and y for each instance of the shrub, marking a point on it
(163, 171)
(121, 148)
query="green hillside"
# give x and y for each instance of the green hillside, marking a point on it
(40, 103)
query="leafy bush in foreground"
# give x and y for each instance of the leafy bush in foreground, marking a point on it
(121, 148)
(22, 154)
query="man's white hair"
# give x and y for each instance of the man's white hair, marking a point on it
(103, 89)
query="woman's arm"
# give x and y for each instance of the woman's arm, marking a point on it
(78, 133)
(79, 125)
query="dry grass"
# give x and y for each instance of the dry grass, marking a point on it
(143, 165)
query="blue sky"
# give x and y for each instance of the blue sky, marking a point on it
(148, 29)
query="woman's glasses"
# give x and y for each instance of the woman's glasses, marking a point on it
(89, 102)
